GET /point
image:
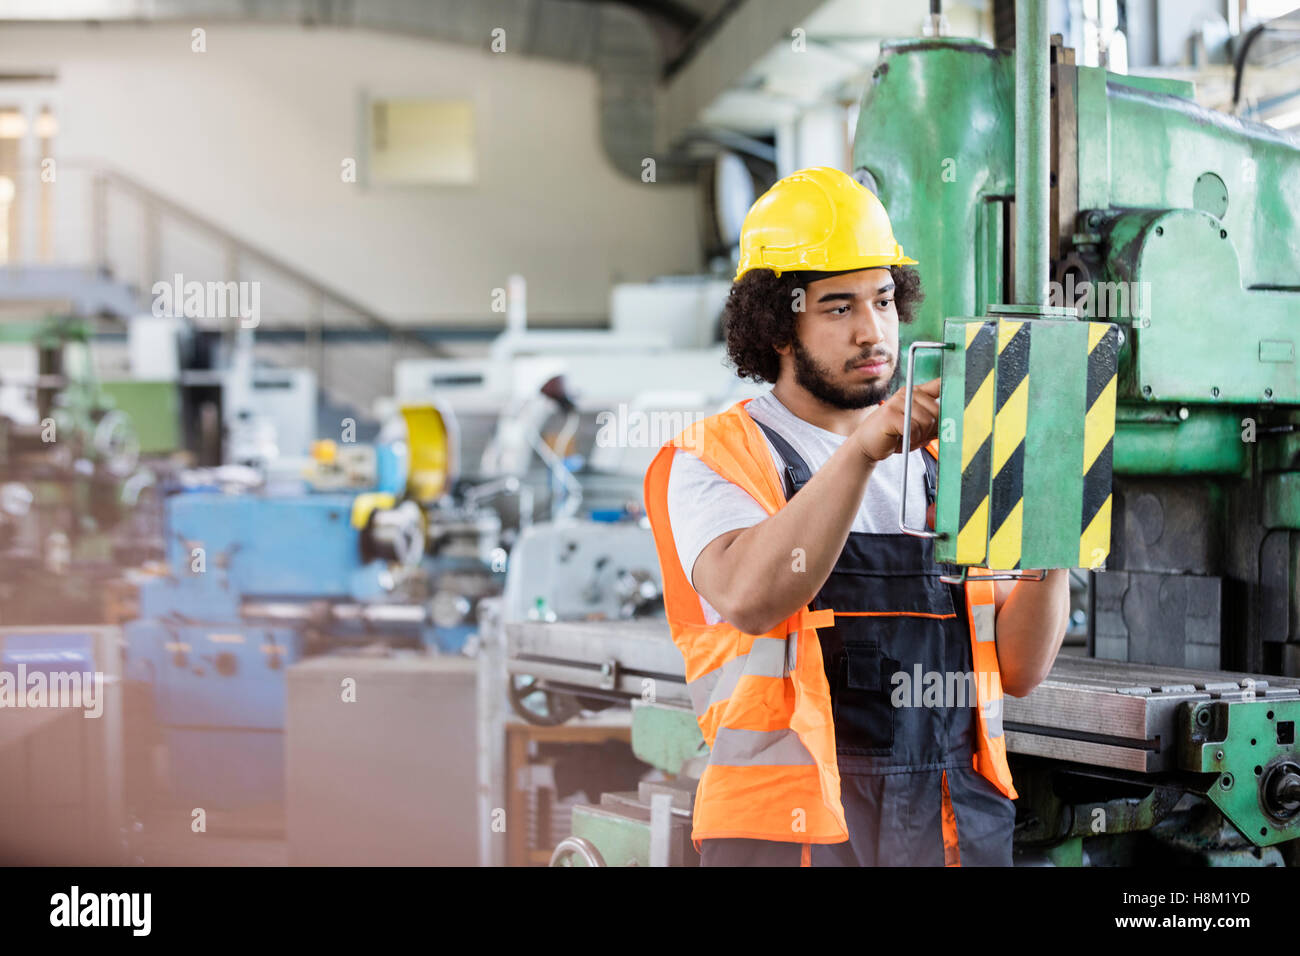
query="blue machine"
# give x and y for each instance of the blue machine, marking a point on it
(257, 582)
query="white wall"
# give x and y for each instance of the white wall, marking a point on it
(252, 132)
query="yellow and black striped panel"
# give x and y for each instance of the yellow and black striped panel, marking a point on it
(1098, 444)
(1006, 499)
(976, 442)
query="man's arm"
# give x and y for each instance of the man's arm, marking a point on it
(757, 577)
(1032, 618)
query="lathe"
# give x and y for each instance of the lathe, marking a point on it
(258, 580)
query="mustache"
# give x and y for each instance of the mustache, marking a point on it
(870, 357)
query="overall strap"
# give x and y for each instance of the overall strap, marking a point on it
(931, 476)
(797, 474)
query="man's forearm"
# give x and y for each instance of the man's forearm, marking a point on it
(1030, 628)
(777, 566)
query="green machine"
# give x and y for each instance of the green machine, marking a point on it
(1113, 298)
(69, 483)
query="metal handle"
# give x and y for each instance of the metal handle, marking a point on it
(1000, 576)
(907, 437)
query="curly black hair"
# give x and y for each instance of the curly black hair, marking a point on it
(759, 318)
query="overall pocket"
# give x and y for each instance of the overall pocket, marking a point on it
(863, 713)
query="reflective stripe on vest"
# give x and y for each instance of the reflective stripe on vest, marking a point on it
(766, 658)
(762, 702)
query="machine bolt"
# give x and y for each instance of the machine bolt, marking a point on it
(1268, 393)
(1226, 781)
(1160, 230)
(1146, 391)
(1223, 234)
(1215, 391)
(1203, 717)
(1094, 220)
(1182, 413)
(1218, 755)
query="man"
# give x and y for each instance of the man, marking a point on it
(803, 614)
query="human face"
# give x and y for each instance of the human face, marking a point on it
(845, 347)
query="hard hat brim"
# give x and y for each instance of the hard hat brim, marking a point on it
(874, 262)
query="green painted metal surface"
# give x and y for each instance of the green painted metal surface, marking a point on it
(1244, 742)
(1156, 440)
(1187, 222)
(936, 131)
(621, 840)
(1200, 336)
(1054, 445)
(154, 409)
(1033, 153)
(665, 737)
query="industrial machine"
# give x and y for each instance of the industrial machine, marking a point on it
(1111, 279)
(368, 552)
(69, 465)
(1163, 226)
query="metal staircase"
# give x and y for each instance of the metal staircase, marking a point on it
(134, 237)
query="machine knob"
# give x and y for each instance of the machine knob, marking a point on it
(1282, 791)
(226, 663)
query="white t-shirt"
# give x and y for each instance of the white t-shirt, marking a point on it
(703, 505)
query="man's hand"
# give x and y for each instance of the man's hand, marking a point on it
(881, 434)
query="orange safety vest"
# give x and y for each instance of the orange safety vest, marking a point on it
(762, 701)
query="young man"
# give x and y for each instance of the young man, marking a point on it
(806, 618)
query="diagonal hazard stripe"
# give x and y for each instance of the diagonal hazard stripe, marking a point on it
(1098, 425)
(1098, 444)
(973, 493)
(1094, 543)
(1007, 486)
(977, 432)
(1009, 426)
(973, 535)
(1004, 545)
(1013, 416)
(977, 425)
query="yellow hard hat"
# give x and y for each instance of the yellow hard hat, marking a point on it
(818, 220)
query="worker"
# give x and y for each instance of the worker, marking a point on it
(806, 619)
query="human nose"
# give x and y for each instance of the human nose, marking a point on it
(870, 328)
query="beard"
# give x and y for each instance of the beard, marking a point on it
(816, 379)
